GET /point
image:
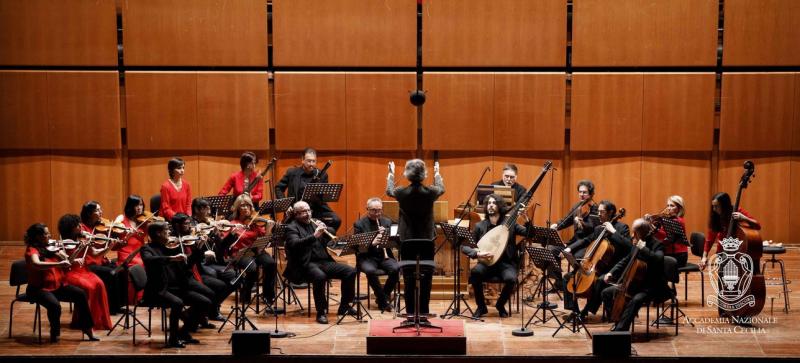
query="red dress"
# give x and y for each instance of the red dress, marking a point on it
(47, 280)
(90, 283)
(717, 236)
(175, 201)
(236, 183)
(135, 242)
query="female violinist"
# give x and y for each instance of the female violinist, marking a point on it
(675, 210)
(721, 213)
(69, 227)
(92, 223)
(176, 193)
(136, 230)
(47, 285)
(240, 181)
(242, 236)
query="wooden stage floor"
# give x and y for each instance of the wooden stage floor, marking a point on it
(776, 336)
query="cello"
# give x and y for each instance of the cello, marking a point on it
(748, 301)
(598, 256)
(631, 280)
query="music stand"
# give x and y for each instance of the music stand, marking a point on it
(352, 245)
(322, 192)
(220, 202)
(577, 321)
(279, 205)
(549, 237)
(127, 314)
(239, 312)
(674, 229)
(457, 235)
(278, 240)
(412, 253)
(544, 260)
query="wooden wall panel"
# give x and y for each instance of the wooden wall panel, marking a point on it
(310, 111)
(455, 101)
(22, 110)
(757, 111)
(606, 112)
(529, 168)
(645, 33)
(147, 170)
(529, 111)
(460, 171)
(379, 114)
(196, 32)
(83, 110)
(616, 177)
(496, 33)
(678, 111)
(24, 194)
(58, 33)
(81, 177)
(687, 175)
(765, 32)
(161, 110)
(232, 110)
(345, 33)
(766, 197)
(366, 178)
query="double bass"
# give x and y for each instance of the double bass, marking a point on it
(598, 257)
(631, 280)
(753, 295)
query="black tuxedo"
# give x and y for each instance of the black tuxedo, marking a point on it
(373, 259)
(295, 181)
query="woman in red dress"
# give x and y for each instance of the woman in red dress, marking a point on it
(134, 237)
(239, 180)
(70, 227)
(176, 193)
(678, 249)
(720, 216)
(47, 285)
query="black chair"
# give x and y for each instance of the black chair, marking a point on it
(139, 279)
(775, 281)
(19, 278)
(697, 240)
(671, 273)
(155, 203)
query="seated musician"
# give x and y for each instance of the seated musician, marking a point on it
(582, 217)
(46, 284)
(505, 268)
(242, 236)
(510, 180)
(212, 248)
(308, 260)
(654, 285)
(718, 220)
(212, 288)
(134, 207)
(619, 235)
(295, 181)
(167, 284)
(92, 222)
(675, 211)
(176, 193)
(377, 257)
(239, 181)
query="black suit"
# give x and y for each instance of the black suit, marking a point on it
(416, 222)
(295, 181)
(589, 222)
(505, 267)
(167, 283)
(654, 286)
(308, 260)
(373, 259)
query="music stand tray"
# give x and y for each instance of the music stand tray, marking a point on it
(280, 205)
(220, 202)
(322, 192)
(356, 243)
(458, 235)
(278, 235)
(546, 236)
(674, 229)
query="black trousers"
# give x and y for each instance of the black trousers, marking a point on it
(115, 285)
(320, 272)
(481, 273)
(369, 266)
(410, 284)
(631, 308)
(176, 299)
(269, 267)
(51, 301)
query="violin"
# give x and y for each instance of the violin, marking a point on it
(175, 242)
(147, 217)
(55, 245)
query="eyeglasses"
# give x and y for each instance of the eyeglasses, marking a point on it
(375, 210)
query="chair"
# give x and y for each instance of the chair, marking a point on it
(155, 203)
(499, 280)
(672, 275)
(18, 278)
(139, 279)
(697, 241)
(775, 281)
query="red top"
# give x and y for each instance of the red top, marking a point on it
(135, 241)
(175, 201)
(236, 182)
(49, 279)
(91, 259)
(717, 236)
(671, 247)
(248, 236)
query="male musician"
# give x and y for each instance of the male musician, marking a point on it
(308, 260)
(654, 286)
(582, 216)
(505, 267)
(295, 181)
(247, 177)
(618, 235)
(510, 180)
(416, 220)
(377, 257)
(167, 284)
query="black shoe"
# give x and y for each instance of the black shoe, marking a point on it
(322, 319)
(347, 311)
(219, 317)
(207, 325)
(175, 344)
(386, 308)
(90, 336)
(501, 310)
(480, 311)
(190, 341)
(54, 338)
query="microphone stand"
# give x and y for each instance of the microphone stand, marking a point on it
(275, 333)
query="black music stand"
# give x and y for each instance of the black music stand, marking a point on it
(322, 192)
(457, 235)
(278, 240)
(549, 237)
(675, 230)
(239, 312)
(279, 205)
(574, 317)
(220, 202)
(127, 314)
(415, 252)
(544, 260)
(353, 244)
